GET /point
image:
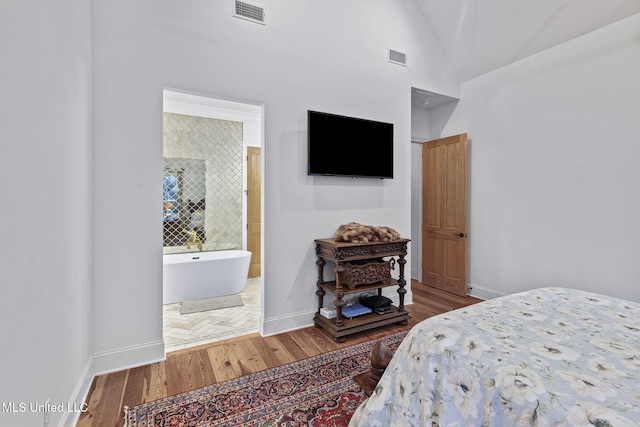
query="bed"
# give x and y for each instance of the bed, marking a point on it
(545, 357)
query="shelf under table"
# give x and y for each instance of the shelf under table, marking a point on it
(360, 323)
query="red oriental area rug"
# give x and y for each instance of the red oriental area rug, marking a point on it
(318, 391)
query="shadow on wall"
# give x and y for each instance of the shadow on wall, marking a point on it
(439, 117)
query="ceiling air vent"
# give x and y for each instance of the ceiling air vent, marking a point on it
(396, 57)
(250, 12)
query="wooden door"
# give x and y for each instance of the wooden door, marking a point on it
(253, 209)
(444, 214)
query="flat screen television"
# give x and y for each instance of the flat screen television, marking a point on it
(349, 146)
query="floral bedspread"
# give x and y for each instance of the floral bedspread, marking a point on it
(546, 357)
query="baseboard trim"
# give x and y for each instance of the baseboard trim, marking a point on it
(395, 297)
(304, 319)
(119, 359)
(281, 324)
(79, 396)
(483, 292)
(107, 362)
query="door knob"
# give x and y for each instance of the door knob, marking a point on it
(460, 234)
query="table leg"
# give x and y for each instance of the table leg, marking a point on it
(401, 282)
(320, 292)
(339, 294)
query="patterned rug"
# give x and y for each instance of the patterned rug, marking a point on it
(318, 391)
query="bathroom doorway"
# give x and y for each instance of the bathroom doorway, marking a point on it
(212, 210)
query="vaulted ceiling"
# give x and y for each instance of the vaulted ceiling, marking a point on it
(482, 35)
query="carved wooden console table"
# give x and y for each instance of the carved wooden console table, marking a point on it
(360, 267)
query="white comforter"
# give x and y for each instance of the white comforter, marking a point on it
(547, 357)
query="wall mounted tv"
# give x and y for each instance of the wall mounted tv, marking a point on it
(349, 146)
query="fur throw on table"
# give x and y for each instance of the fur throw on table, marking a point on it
(358, 233)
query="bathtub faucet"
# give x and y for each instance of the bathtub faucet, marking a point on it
(195, 240)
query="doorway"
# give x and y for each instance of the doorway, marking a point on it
(430, 113)
(210, 139)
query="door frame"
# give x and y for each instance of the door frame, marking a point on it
(251, 114)
(416, 200)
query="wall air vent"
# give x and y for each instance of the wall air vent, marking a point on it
(396, 57)
(250, 12)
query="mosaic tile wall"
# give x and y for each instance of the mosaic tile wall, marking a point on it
(204, 157)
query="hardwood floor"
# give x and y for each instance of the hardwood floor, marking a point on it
(197, 367)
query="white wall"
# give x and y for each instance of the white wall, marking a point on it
(215, 108)
(324, 56)
(45, 258)
(554, 149)
(420, 124)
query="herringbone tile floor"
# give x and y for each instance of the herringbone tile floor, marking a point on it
(189, 330)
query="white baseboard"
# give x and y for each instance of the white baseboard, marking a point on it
(128, 357)
(483, 292)
(395, 297)
(105, 363)
(79, 396)
(281, 324)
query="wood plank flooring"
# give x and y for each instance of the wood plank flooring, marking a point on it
(197, 367)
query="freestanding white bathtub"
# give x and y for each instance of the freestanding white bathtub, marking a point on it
(197, 275)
